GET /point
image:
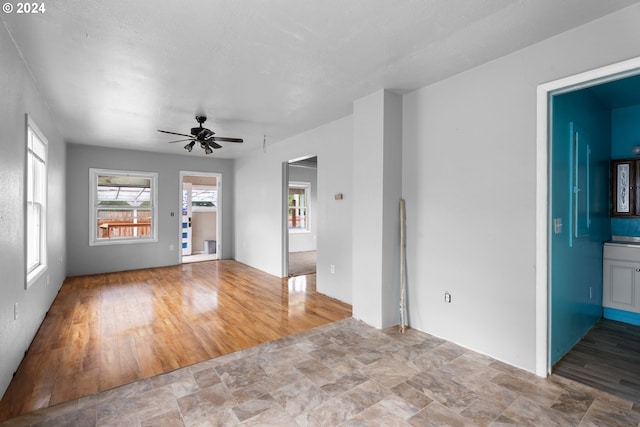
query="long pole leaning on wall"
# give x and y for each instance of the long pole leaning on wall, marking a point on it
(403, 263)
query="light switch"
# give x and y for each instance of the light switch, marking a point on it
(557, 225)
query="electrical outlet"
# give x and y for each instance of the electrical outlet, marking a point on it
(590, 292)
(333, 269)
(447, 297)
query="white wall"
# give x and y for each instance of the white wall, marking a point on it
(19, 95)
(258, 205)
(377, 187)
(306, 241)
(85, 259)
(204, 228)
(469, 178)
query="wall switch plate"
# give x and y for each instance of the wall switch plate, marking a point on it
(333, 269)
(447, 297)
(15, 311)
(172, 248)
(557, 225)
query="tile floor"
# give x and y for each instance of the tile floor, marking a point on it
(348, 374)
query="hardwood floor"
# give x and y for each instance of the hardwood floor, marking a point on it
(111, 329)
(607, 358)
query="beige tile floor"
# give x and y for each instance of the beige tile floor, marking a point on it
(348, 374)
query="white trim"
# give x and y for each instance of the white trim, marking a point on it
(32, 276)
(93, 197)
(585, 79)
(285, 219)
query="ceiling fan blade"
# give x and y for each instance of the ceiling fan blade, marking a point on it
(214, 144)
(180, 140)
(175, 133)
(222, 139)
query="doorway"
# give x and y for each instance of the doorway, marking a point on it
(200, 210)
(561, 231)
(300, 179)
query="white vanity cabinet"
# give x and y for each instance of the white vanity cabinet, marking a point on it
(621, 276)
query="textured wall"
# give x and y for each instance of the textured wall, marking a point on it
(18, 96)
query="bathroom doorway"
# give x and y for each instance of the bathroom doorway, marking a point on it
(567, 234)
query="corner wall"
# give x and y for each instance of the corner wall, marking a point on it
(18, 96)
(377, 188)
(469, 179)
(625, 133)
(258, 205)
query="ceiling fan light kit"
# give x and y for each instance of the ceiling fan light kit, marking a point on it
(189, 146)
(208, 142)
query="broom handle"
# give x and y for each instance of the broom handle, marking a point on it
(403, 249)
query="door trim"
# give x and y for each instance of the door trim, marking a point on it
(543, 282)
(284, 219)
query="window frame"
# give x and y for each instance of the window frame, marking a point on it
(94, 240)
(35, 271)
(213, 208)
(307, 187)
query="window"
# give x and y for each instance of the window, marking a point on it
(204, 198)
(299, 193)
(36, 195)
(124, 207)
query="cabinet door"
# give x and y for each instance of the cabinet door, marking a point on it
(621, 283)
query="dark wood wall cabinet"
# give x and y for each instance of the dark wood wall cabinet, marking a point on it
(625, 188)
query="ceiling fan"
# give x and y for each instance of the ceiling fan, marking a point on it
(202, 136)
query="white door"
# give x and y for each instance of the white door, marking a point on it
(186, 218)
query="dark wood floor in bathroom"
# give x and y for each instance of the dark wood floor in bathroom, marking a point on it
(607, 358)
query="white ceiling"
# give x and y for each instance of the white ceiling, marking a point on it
(115, 71)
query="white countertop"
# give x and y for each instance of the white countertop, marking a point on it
(623, 241)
